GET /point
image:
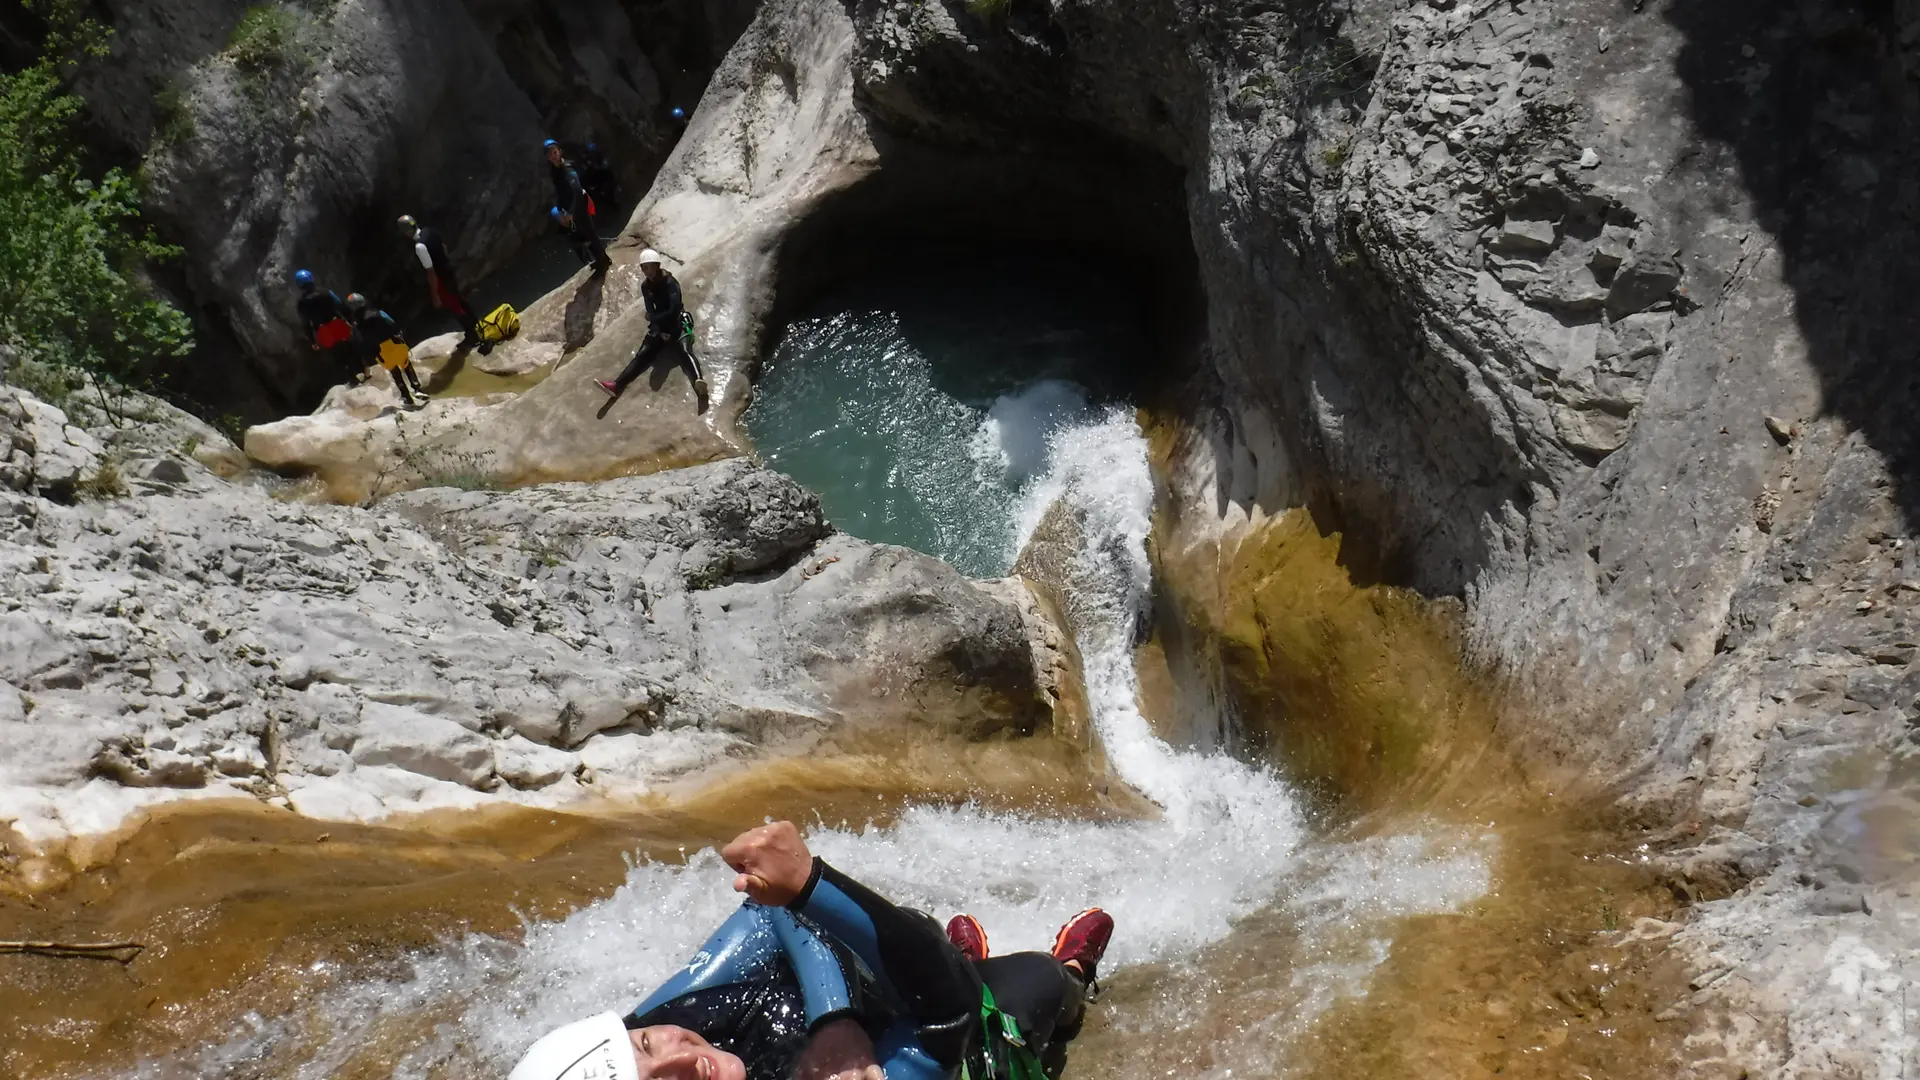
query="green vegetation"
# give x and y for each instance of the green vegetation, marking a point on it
(172, 115)
(53, 385)
(264, 39)
(989, 9)
(72, 250)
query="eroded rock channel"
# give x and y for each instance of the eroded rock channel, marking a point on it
(1452, 606)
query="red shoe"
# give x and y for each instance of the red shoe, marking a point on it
(612, 390)
(967, 935)
(1083, 941)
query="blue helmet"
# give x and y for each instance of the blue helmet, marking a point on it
(679, 113)
(549, 144)
(555, 213)
(593, 148)
(303, 277)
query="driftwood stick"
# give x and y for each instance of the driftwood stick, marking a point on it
(123, 951)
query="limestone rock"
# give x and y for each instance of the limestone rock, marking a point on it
(527, 764)
(428, 745)
(1522, 237)
(448, 647)
(16, 444)
(1642, 281)
(63, 454)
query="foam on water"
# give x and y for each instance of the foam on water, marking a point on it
(1229, 844)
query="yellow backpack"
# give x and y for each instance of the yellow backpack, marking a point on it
(393, 354)
(500, 324)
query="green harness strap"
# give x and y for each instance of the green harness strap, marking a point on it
(1007, 1055)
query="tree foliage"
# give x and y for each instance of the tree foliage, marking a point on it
(72, 248)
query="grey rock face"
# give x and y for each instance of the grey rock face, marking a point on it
(448, 646)
(1595, 315)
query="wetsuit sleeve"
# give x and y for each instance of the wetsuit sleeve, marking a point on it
(576, 193)
(743, 943)
(827, 988)
(906, 949)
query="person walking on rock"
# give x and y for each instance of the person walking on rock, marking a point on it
(817, 977)
(320, 313)
(379, 341)
(668, 327)
(443, 281)
(574, 208)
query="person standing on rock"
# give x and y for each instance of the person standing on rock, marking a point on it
(817, 977)
(574, 208)
(379, 341)
(668, 327)
(443, 281)
(586, 241)
(320, 313)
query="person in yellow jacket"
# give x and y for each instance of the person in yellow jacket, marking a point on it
(379, 339)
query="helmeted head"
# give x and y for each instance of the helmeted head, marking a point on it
(601, 1048)
(593, 148)
(596, 1048)
(355, 304)
(408, 226)
(650, 264)
(556, 213)
(679, 113)
(551, 148)
(304, 279)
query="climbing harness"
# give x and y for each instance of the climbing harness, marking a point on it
(1005, 1053)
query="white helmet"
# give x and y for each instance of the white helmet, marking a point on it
(592, 1049)
(649, 256)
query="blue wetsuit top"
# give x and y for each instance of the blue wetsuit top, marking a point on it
(770, 977)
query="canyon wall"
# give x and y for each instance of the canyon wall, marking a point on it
(274, 136)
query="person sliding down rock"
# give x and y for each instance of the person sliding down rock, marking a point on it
(321, 315)
(817, 977)
(574, 209)
(379, 341)
(668, 327)
(443, 281)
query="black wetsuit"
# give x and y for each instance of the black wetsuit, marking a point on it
(665, 327)
(770, 977)
(317, 308)
(570, 195)
(372, 329)
(451, 300)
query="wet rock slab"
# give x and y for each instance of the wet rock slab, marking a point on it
(450, 647)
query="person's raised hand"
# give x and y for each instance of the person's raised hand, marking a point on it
(772, 861)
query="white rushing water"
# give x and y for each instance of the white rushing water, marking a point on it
(1231, 843)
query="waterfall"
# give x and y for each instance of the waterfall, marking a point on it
(1232, 842)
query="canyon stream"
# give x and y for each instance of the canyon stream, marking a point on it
(1473, 927)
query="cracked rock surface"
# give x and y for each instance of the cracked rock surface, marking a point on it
(447, 647)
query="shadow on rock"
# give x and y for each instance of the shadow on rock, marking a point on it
(577, 323)
(1818, 102)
